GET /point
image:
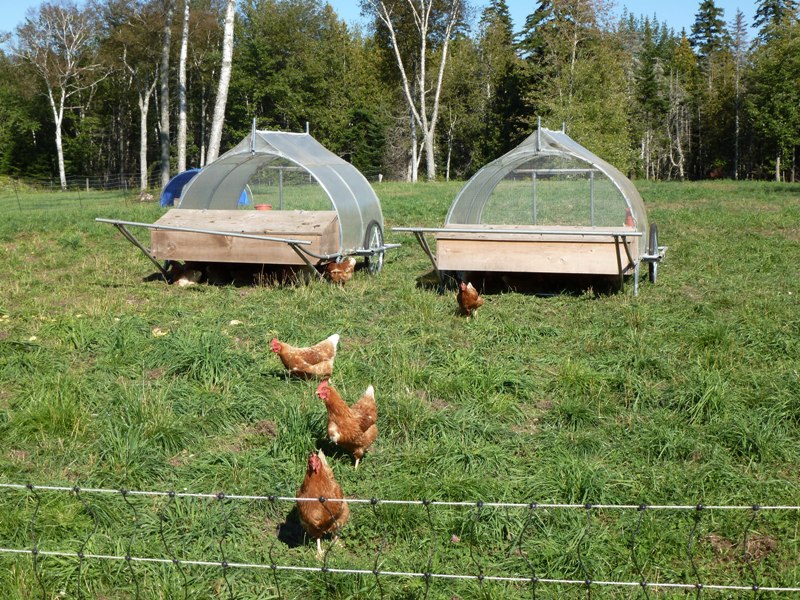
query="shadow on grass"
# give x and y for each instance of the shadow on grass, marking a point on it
(334, 451)
(291, 532)
(534, 284)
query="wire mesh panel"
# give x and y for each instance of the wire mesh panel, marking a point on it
(286, 186)
(88, 543)
(555, 190)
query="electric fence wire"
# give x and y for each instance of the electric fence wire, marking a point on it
(427, 575)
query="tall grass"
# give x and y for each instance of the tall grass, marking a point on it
(686, 394)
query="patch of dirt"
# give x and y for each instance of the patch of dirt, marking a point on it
(722, 546)
(761, 546)
(266, 428)
(530, 426)
(438, 404)
(790, 233)
(154, 374)
(182, 458)
(545, 405)
(17, 455)
(692, 293)
(758, 547)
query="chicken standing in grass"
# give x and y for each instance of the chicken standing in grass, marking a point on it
(341, 272)
(355, 427)
(469, 300)
(313, 361)
(321, 517)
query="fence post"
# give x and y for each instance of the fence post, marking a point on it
(16, 193)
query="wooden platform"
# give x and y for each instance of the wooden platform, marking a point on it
(563, 249)
(321, 228)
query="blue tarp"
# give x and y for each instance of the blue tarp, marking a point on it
(174, 188)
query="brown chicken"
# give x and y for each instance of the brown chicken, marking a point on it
(355, 427)
(469, 300)
(319, 518)
(313, 361)
(341, 272)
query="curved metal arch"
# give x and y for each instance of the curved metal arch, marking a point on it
(220, 183)
(469, 203)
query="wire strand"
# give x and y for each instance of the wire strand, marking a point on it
(273, 498)
(408, 574)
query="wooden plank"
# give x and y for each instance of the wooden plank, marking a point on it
(590, 257)
(321, 228)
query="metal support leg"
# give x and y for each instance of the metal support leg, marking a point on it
(132, 239)
(636, 280)
(619, 263)
(424, 243)
(308, 263)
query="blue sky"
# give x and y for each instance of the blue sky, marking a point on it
(677, 13)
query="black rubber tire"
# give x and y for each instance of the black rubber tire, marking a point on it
(374, 239)
(652, 250)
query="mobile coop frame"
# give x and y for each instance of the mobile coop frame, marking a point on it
(547, 206)
(289, 170)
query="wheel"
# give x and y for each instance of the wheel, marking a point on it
(652, 250)
(373, 240)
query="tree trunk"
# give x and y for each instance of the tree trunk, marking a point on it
(224, 79)
(430, 157)
(203, 127)
(144, 108)
(163, 134)
(58, 119)
(182, 90)
(778, 168)
(413, 160)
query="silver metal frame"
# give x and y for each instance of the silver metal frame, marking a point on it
(296, 245)
(419, 233)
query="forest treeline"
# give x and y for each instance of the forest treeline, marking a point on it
(428, 88)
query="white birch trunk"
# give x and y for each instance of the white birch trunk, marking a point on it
(144, 108)
(58, 119)
(182, 90)
(163, 132)
(419, 106)
(224, 79)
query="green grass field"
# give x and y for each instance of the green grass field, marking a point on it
(687, 394)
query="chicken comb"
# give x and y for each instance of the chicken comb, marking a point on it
(275, 345)
(323, 388)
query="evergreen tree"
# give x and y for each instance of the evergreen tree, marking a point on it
(771, 13)
(499, 83)
(773, 100)
(709, 34)
(575, 75)
(650, 99)
(22, 116)
(739, 48)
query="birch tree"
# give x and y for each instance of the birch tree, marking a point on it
(59, 41)
(163, 133)
(224, 80)
(134, 38)
(182, 89)
(421, 95)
